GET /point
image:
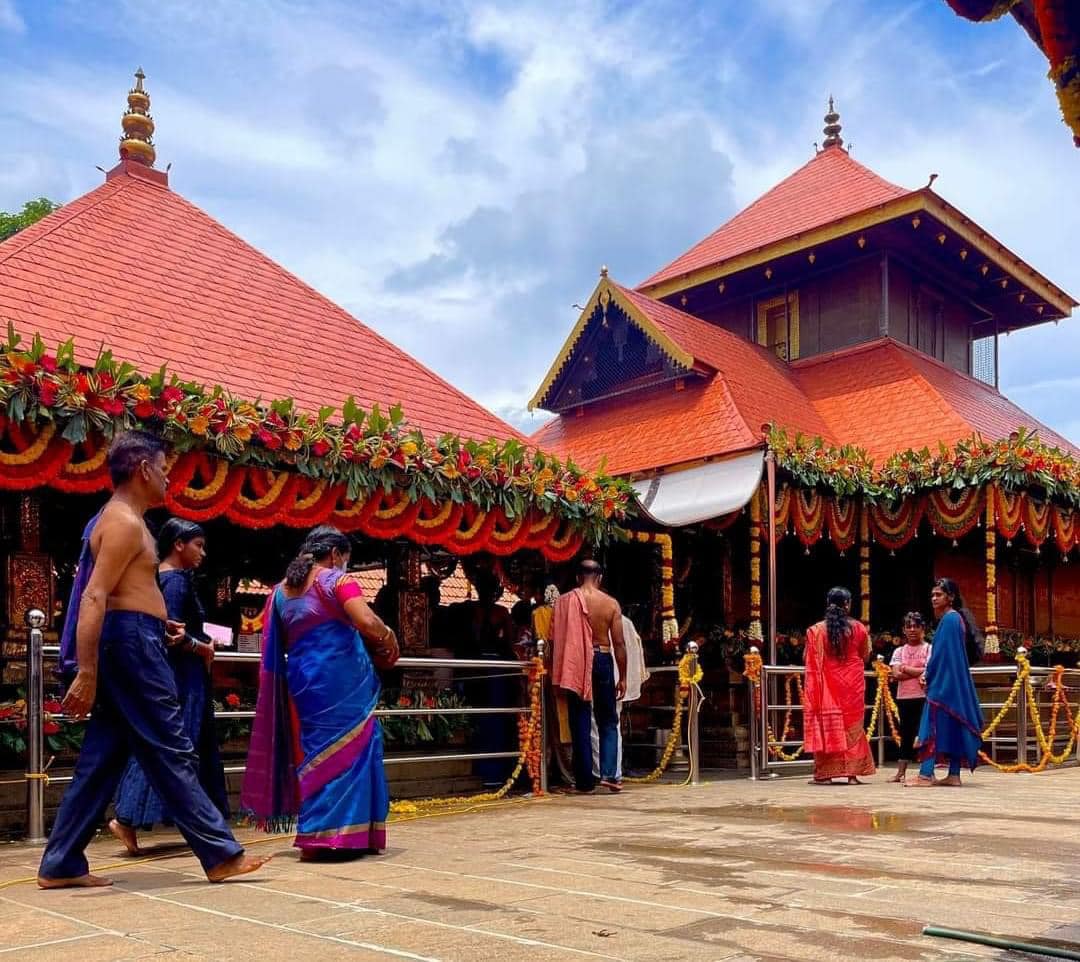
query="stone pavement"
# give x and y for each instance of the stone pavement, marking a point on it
(733, 871)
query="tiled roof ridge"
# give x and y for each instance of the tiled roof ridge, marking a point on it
(826, 156)
(60, 217)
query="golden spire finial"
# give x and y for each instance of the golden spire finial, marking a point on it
(137, 143)
(832, 128)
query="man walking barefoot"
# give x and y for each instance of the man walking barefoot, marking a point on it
(124, 676)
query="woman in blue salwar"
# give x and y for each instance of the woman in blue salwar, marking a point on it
(952, 721)
(181, 550)
(316, 753)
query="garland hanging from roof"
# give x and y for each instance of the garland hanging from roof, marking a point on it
(1020, 462)
(56, 413)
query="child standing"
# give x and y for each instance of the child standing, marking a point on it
(908, 664)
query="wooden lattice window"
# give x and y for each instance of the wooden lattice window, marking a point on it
(778, 325)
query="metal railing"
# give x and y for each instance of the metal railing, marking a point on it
(763, 764)
(36, 778)
(38, 651)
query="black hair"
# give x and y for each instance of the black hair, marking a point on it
(915, 619)
(972, 637)
(128, 450)
(176, 529)
(319, 544)
(590, 568)
(837, 619)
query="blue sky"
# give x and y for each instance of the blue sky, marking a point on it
(454, 174)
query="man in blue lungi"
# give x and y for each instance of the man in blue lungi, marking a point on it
(123, 674)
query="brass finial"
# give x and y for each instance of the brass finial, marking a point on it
(832, 128)
(137, 142)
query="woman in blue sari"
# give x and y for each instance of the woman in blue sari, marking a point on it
(316, 753)
(952, 721)
(182, 549)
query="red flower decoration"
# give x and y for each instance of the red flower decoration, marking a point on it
(321, 448)
(51, 728)
(232, 700)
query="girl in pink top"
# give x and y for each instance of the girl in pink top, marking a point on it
(908, 665)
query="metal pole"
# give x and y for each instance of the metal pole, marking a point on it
(770, 471)
(692, 732)
(541, 645)
(35, 723)
(1021, 720)
(764, 721)
(751, 729)
(881, 725)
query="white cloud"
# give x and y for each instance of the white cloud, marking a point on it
(10, 20)
(454, 172)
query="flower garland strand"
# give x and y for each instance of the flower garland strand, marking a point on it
(1045, 739)
(690, 674)
(366, 451)
(670, 625)
(883, 699)
(529, 757)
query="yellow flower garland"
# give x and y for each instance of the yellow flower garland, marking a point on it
(529, 755)
(687, 677)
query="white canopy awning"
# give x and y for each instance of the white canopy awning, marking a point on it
(703, 492)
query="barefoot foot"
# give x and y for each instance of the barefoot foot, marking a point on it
(126, 836)
(898, 777)
(237, 865)
(87, 881)
(920, 782)
(950, 781)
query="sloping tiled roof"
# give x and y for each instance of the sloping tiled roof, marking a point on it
(715, 415)
(886, 397)
(137, 268)
(882, 396)
(832, 185)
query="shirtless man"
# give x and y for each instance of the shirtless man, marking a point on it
(605, 619)
(587, 629)
(124, 676)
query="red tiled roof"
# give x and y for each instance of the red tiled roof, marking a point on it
(882, 396)
(887, 397)
(832, 185)
(137, 268)
(719, 414)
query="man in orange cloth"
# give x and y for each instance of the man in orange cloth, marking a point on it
(587, 630)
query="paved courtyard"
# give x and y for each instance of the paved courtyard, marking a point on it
(730, 871)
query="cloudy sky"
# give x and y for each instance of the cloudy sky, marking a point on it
(454, 173)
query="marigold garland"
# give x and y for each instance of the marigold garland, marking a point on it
(991, 646)
(883, 700)
(1018, 463)
(529, 757)
(61, 404)
(756, 633)
(1045, 739)
(690, 674)
(667, 582)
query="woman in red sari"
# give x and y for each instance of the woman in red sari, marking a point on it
(834, 705)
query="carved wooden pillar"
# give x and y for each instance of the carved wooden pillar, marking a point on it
(30, 581)
(413, 616)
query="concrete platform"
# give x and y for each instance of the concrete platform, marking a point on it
(733, 870)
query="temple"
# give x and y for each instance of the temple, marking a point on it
(835, 343)
(131, 307)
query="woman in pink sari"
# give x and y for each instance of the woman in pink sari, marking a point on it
(834, 705)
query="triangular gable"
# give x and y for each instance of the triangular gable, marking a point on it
(615, 347)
